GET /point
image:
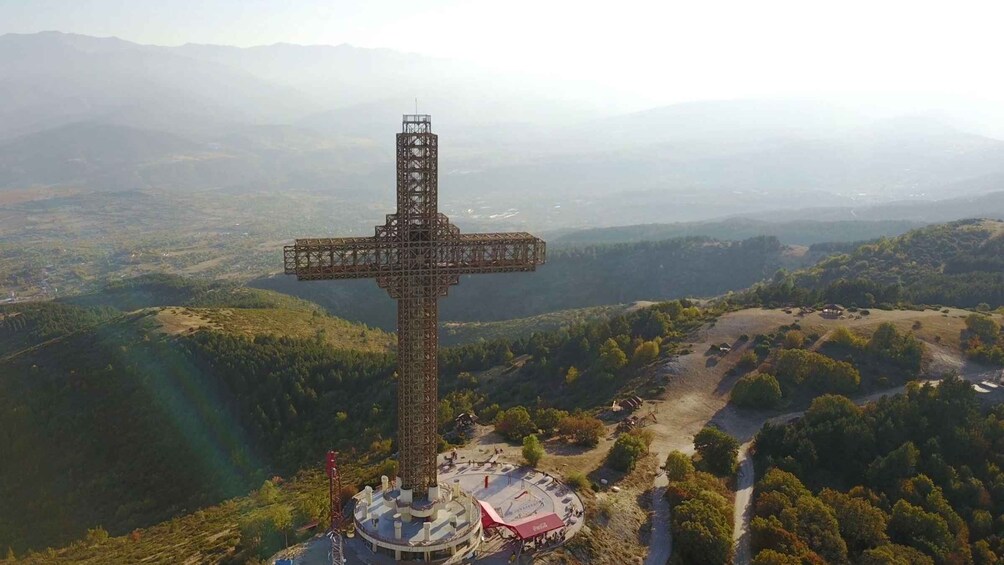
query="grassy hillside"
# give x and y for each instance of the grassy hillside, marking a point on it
(184, 305)
(251, 322)
(172, 290)
(211, 534)
(959, 264)
(124, 425)
(124, 419)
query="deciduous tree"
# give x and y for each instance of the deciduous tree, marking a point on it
(533, 451)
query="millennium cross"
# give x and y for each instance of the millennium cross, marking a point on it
(415, 256)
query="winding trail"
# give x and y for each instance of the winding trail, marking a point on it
(742, 554)
(660, 545)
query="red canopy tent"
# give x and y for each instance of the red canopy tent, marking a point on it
(489, 517)
(525, 529)
(538, 525)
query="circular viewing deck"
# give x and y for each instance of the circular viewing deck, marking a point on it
(393, 531)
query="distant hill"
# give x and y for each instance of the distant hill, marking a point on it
(764, 175)
(789, 232)
(106, 156)
(52, 79)
(95, 151)
(987, 205)
(957, 264)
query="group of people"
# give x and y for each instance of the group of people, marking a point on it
(570, 511)
(542, 541)
(453, 459)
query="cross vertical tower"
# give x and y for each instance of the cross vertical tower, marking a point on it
(415, 256)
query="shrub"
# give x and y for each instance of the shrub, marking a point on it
(489, 413)
(795, 366)
(268, 493)
(701, 519)
(903, 350)
(547, 419)
(626, 451)
(645, 353)
(612, 357)
(97, 535)
(913, 526)
(583, 430)
(758, 390)
(794, 339)
(533, 451)
(701, 534)
(577, 481)
(678, 466)
(514, 424)
(572, 375)
(844, 337)
(748, 361)
(718, 450)
(646, 436)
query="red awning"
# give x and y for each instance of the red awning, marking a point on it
(538, 525)
(489, 517)
(529, 528)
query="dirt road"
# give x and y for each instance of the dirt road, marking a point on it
(744, 507)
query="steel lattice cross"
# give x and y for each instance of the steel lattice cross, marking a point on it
(416, 256)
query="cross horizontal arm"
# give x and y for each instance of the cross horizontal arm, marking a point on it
(475, 253)
(338, 258)
(369, 257)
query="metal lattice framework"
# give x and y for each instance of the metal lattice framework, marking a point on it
(335, 507)
(415, 256)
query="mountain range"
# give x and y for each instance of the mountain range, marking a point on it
(103, 113)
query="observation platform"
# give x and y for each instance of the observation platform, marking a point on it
(393, 525)
(454, 533)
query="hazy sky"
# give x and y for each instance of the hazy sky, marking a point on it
(662, 50)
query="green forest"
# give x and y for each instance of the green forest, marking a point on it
(108, 422)
(791, 232)
(913, 478)
(956, 264)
